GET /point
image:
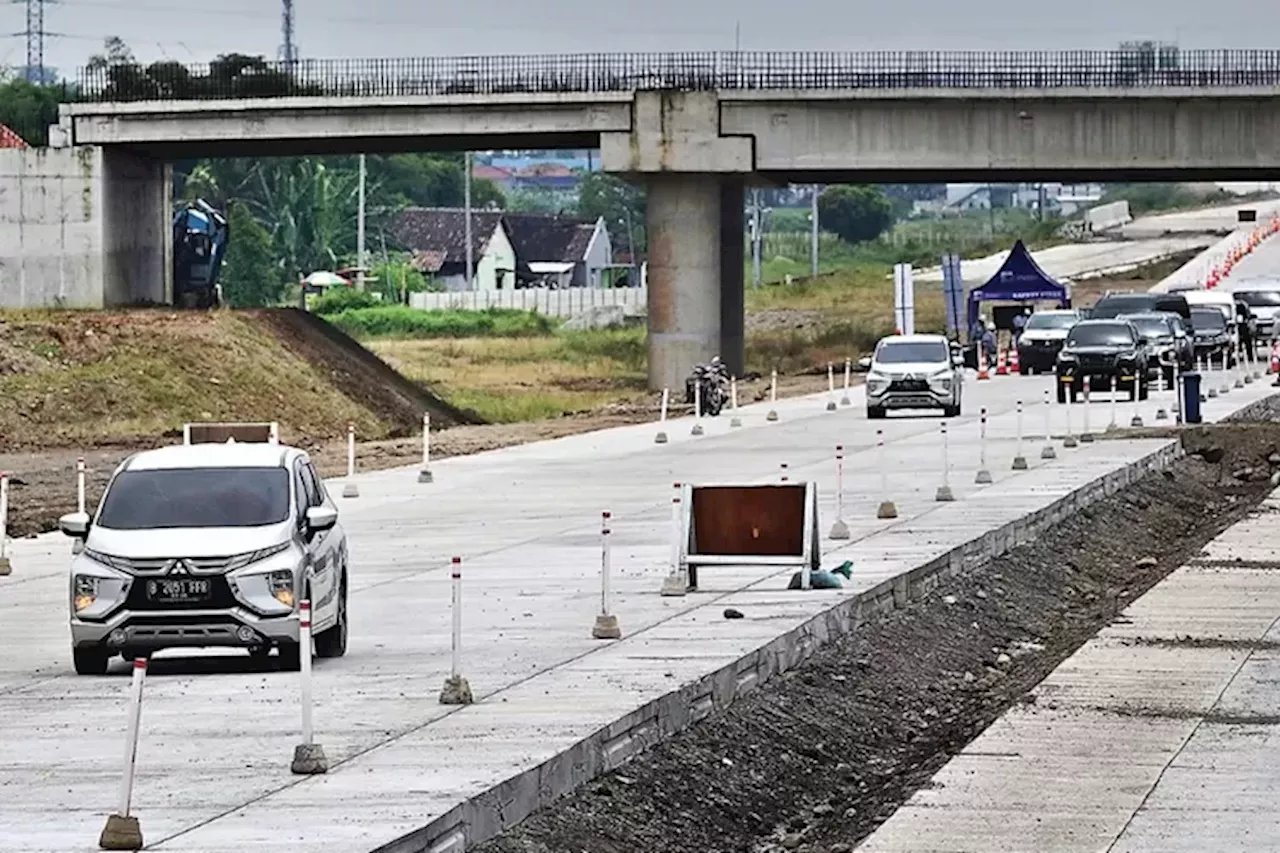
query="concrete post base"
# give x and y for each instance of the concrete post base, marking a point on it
(351, 490)
(1213, 393)
(887, 509)
(1070, 441)
(831, 405)
(1239, 383)
(606, 628)
(944, 494)
(1162, 415)
(1019, 463)
(674, 585)
(1136, 421)
(1248, 379)
(735, 422)
(773, 415)
(121, 833)
(425, 476)
(839, 530)
(309, 760)
(983, 477)
(1087, 437)
(697, 430)
(845, 401)
(660, 438)
(6, 567)
(1112, 427)
(1048, 452)
(456, 691)
(1224, 390)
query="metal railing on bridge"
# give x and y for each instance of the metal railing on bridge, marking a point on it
(249, 77)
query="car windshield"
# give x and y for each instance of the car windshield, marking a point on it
(1257, 298)
(196, 497)
(1208, 320)
(913, 352)
(1111, 306)
(1100, 335)
(1151, 328)
(1052, 321)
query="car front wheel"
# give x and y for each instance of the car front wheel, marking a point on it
(875, 413)
(90, 661)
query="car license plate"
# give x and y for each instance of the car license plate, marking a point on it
(178, 590)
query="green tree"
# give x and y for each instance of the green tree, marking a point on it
(622, 205)
(250, 275)
(855, 213)
(28, 109)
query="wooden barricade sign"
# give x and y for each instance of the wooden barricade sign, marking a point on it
(772, 524)
(213, 433)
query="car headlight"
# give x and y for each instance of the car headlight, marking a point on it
(270, 590)
(941, 381)
(1128, 356)
(877, 384)
(1066, 356)
(97, 590)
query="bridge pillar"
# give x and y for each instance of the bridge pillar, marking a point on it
(137, 238)
(683, 218)
(732, 297)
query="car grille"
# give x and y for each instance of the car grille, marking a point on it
(1097, 362)
(220, 598)
(161, 565)
(910, 385)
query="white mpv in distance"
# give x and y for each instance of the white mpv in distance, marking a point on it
(208, 545)
(914, 372)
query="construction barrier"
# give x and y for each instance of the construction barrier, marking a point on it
(212, 433)
(749, 525)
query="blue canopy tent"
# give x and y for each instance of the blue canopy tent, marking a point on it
(1019, 279)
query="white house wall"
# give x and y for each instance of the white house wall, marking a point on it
(599, 255)
(498, 255)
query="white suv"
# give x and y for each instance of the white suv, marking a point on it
(208, 545)
(914, 372)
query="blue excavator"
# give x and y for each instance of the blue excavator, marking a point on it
(200, 235)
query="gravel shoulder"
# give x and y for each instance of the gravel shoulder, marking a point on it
(817, 759)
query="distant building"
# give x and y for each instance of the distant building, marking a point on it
(510, 249)
(435, 237)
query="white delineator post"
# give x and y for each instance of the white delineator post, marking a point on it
(425, 475)
(456, 690)
(1047, 452)
(675, 583)
(697, 409)
(1225, 378)
(736, 420)
(350, 489)
(1019, 461)
(944, 491)
(983, 476)
(1177, 392)
(831, 387)
(784, 472)
(1086, 431)
(1208, 371)
(308, 757)
(1136, 420)
(661, 437)
(80, 491)
(1070, 440)
(839, 530)
(606, 626)
(122, 831)
(773, 397)
(848, 370)
(1115, 394)
(888, 509)
(5, 566)
(1161, 414)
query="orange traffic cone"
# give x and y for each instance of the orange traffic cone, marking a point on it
(1013, 360)
(1274, 365)
(982, 364)
(1002, 369)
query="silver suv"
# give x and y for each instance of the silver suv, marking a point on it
(208, 545)
(914, 372)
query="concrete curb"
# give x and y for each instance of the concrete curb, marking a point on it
(490, 813)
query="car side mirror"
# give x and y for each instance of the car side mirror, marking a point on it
(321, 518)
(75, 524)
(864, 363)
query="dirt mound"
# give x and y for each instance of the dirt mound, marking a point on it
(359, 374)
(817, 759)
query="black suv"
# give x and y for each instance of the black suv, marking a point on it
(1212, 336)
(1164, 346)
(1111, 353)
(1113, 305)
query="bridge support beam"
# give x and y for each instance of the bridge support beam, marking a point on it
(732, 297)
(137, 238)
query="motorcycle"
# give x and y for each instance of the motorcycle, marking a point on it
(712, 380)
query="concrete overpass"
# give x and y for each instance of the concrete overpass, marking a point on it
(695, 128)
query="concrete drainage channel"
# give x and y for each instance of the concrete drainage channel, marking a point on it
(631, 741)
(818, 758)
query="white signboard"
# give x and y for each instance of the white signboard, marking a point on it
(904, 300)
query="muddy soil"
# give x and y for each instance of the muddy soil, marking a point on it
(44, 483)
(817, 759)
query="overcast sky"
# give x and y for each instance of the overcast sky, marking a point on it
(196, 31)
